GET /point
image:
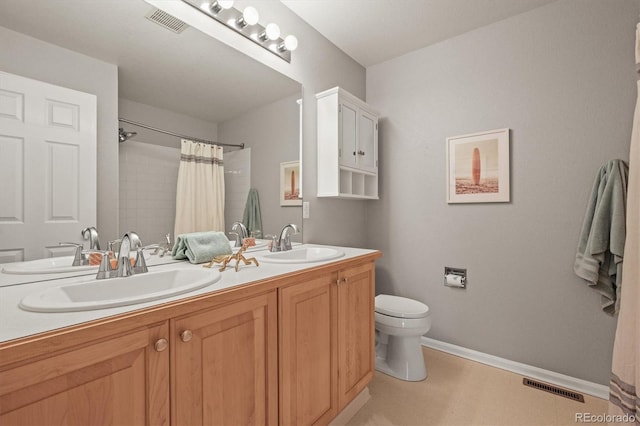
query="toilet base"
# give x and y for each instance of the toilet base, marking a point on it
(401, 357)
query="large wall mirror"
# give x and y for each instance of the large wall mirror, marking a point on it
(184, 83)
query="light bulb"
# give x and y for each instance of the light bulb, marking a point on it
(272, 31)
(218, 5)
(250, 15)
(290, 42)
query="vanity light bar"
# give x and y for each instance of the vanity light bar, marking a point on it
(235, 19)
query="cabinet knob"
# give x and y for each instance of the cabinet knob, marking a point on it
(186, 335)
(342, 281)
(361, 152)
(354, 153)
(161, 345)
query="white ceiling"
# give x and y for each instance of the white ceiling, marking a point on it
(374, 31)
(194, 74)
(189, 73)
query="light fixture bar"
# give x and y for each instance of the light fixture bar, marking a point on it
(232, 16)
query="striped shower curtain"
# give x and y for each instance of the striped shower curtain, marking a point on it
(200, 192)
(624, 395)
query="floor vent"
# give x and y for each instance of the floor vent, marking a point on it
(165, 20)
(553, 389)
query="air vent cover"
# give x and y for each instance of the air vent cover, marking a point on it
(553, 389)
(167, 21)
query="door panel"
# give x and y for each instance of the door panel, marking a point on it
(226, 371)
(47, 165)
(367, 136)
(356, 331)
(348, 135)
(122, 380)
(308, 361)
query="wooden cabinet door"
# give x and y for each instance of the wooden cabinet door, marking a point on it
(356, 331)
(224, 364)
(308, 363)
(120, 381)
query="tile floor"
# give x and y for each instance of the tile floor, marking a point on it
(462, 392)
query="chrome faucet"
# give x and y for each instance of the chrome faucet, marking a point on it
(79, 259)
(130, 241)
(105, 270)
(91, 234)
(240, 232)
(283, 241)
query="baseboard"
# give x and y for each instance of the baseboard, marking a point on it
(352, 408)
(568, 382)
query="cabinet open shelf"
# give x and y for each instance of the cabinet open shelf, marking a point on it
(358, 184)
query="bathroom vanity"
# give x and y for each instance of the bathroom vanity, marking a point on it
(278, 344)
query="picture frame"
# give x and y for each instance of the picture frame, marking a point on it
(478, 167)
(290, 184)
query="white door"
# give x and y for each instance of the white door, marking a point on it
(47, 167)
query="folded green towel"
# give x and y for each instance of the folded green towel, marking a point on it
(200, 247)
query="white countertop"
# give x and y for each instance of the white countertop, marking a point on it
(16, 323)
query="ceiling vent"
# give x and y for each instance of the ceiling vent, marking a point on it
(167, 21)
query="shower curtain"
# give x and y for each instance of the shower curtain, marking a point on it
(624, 387)
(200, 191)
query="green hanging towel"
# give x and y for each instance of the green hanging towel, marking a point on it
(252, 218)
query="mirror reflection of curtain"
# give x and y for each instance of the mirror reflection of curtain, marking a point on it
(624, 387)
(200, 190)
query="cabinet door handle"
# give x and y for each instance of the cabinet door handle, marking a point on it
(360, 152)
(161, 345)
(186, 335)
(341, 281)
(354, 153)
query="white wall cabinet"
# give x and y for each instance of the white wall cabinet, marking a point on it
(347, 146)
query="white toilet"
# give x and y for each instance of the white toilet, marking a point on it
(400, 323)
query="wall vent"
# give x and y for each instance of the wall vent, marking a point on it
(553, 389)
(165, 20)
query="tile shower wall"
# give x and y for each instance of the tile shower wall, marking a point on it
(237, 180)
(148, 177)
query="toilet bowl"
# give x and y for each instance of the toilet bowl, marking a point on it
(400, 324)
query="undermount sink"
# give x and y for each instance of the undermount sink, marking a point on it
(302, 255)
(93, 294)
(50, 265)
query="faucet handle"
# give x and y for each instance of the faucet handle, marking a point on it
(236, 236)
(112, 244)
(140, 266)
(273, 244)
(105, 270)
(78, 257)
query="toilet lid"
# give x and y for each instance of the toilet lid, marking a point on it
(400, 307)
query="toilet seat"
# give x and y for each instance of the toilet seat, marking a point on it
(400, 307)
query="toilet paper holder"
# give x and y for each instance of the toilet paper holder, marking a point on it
(455, 277)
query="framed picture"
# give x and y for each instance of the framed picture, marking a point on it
(290, 184)
(478, 167)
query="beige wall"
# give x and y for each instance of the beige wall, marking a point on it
(562, 77)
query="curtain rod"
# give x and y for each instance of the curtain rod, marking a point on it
(166, 132)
